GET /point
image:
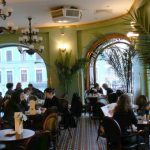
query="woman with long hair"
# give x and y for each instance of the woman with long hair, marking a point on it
(143, 105)
(124, 114)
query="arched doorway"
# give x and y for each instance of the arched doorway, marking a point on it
(16, 67)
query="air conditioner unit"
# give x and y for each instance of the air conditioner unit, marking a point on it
(65, 14)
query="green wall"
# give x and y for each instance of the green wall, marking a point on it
(79, 40)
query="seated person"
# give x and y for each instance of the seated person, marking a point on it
(125, 117)
(124, 114)
(26, 94)
(93, 93)
(17, 103)
(33, 97)
(98, 88)
(112, 98)
(108, 89)
(10, 90)
(35, 91)
(18, 86)
(119, 92)
(51, 99)
(143, 105)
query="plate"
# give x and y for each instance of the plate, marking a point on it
(10, 133)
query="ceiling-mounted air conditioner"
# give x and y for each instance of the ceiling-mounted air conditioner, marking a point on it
(66, 14)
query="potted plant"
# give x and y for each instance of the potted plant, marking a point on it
(67, 70)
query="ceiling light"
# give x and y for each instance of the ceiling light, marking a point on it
(5, 12)
(31, 39)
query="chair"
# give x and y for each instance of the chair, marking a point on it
(51, 124)
(117, 141)
(92, 104)
(67, 120)
(100, 131)
(40, 141)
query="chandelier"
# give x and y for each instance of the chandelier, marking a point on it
(31, 39)
(5, 12)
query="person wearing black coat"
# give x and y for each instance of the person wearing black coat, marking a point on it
(17, 103)
(76, 105)
(51, 100)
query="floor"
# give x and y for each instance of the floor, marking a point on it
(83, 137)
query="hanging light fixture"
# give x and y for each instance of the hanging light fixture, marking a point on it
(30, 38)
(5, 12)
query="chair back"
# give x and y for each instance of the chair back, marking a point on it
(93, 100)
(51, 122)
(118, 141)
(112, 130)
(63, 104)
(40, 141)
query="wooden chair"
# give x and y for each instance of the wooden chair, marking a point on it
(51, 124)
(117, 141)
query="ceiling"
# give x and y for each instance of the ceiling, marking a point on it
(92, 10)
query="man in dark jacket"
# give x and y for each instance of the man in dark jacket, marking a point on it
(51, 100)
(108, 89)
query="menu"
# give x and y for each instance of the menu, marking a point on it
(108, 110)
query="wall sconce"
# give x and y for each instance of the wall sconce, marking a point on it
(63, 48)
(132, 34)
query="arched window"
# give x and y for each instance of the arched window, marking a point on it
(16, 67)
(97, 65)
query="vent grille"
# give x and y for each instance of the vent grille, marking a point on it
(68, 15)
(72, 12)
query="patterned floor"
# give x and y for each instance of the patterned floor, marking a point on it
(83, 137)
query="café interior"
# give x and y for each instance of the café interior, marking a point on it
(75, 110)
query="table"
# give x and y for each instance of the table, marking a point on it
(14, 141)
(25, 135)
(2, 146)
(144, 125)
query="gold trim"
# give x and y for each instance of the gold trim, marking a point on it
(104, 39)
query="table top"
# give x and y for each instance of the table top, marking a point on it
(16, 137)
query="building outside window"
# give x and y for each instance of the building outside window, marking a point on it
(24, 75)
(0, 77)
(23, 56)
(39, 75)
(38, 57)
(16, 67)
(9, 77)
(9, 55)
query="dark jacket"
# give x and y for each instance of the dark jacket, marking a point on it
(52, 102)
(125, 119)
(109, 91)
(38, 93)
(76, 107)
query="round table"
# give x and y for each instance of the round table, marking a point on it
(2, 146)
(16, 137)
